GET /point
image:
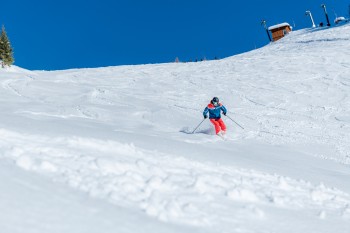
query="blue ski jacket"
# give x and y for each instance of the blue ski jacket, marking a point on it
(214, 111)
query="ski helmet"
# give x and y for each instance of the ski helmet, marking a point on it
(215, 100)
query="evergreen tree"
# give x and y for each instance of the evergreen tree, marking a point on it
(6, 51)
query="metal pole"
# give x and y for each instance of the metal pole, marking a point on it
(312, 20)
(198, 125)
(234, 122)
(263, 22)
(325, 12)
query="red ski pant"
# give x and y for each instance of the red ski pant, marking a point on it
(218, 124)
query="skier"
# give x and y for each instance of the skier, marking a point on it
(214, 109)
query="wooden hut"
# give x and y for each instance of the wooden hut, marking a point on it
(279, 31)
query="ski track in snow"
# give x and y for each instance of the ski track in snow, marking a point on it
(167, 187)
(266, 110)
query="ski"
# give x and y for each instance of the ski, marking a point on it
(222, 136)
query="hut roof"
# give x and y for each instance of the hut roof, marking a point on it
(279, 26)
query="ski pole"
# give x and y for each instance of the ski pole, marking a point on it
(198, 125)
(234, 122)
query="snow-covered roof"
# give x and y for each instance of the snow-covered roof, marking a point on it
(278, 26)
(339, 19)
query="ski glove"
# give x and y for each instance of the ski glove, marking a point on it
(224, 113)
(205, 117)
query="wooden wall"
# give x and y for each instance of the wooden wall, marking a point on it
(278, 33)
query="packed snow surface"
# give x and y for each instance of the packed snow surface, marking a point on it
(112, 150)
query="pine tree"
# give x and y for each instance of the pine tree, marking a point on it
(6, 51)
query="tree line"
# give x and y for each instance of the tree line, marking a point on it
(177, 60)
(6, 51)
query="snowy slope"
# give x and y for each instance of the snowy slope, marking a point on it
(113, 145)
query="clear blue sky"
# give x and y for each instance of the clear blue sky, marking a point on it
(51, 35)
